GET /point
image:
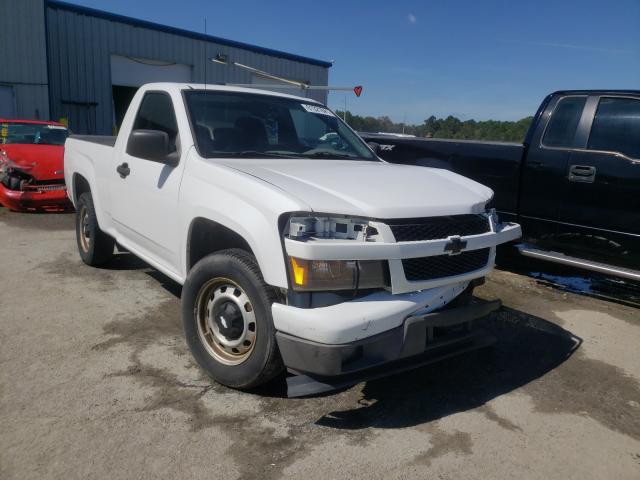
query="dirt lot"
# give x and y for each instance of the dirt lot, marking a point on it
(96, 382)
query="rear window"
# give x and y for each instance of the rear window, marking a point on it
(616, 127)
(563, 124)
(32, 134)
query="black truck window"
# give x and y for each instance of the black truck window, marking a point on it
(564, 122)
(616, 127)
(156, 113)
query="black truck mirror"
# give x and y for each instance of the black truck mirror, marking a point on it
(151, 145)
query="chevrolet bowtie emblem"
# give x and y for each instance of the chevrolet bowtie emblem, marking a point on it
(455, 245)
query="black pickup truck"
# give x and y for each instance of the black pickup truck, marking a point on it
(573, 185)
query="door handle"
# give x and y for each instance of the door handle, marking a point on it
(534, 165)
(123, 170)
(582, 173)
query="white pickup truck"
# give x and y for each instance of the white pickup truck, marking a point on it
(297, 247)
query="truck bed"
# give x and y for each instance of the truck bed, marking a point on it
(106, 140)
(494, 164)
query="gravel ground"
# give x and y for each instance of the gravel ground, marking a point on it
(96, 382)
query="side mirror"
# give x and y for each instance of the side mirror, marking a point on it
(375, 147)
(151, 145)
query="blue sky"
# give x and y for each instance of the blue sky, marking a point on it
(477, 59)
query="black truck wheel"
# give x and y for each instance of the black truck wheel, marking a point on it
(226, 314)
(95, 246)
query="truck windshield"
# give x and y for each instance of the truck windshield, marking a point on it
(32, 133)
(237, 124)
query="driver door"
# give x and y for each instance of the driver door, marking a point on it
(600, 213)
(145, 192)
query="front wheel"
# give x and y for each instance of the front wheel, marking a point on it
(226, 314)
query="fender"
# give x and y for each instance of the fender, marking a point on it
(228, 197)
(269, 254)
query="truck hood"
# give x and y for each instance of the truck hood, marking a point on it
(42, 162)
(369, 189)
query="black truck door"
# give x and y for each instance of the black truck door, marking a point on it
(545, 165)
(600, 213)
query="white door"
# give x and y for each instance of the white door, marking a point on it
(7, 102)
(145, 201)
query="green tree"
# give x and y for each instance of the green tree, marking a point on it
(450, 127)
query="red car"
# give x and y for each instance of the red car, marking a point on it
(32, 165)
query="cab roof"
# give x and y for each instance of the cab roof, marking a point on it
(173, 86)
(597, 92)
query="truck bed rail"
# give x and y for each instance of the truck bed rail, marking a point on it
(106, 140)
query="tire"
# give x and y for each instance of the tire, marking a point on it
(95, 246)
(226, 306)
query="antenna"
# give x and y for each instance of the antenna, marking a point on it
(205, 54)
(344, 114)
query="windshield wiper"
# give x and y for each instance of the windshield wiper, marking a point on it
(250, 154)
(329, 155)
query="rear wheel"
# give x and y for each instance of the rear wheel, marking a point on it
(95, 246)
(226, 314)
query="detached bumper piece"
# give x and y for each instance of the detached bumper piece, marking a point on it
(421, 340)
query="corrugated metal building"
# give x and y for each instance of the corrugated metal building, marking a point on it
(24, 89)
(65, 61)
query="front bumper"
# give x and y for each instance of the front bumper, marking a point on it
(360, 318)
(386, 248)
(25, 200)
(388, 331)
(421, 339)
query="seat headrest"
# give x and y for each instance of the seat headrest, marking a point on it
(203, 136)
(251, 133)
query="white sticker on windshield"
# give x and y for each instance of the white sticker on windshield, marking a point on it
(317, 109)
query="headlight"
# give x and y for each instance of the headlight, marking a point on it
(321, 226)
(481, 207)
(494, 216)
(328, 275)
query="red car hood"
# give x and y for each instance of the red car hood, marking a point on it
(43, 162)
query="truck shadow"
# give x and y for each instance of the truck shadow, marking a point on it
(123, 261)
(528, 347)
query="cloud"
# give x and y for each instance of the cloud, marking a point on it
(579, 47)
(411, 18)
